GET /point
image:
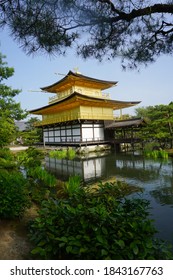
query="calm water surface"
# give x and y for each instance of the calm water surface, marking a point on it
(154, 176)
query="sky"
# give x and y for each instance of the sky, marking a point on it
(152, 85)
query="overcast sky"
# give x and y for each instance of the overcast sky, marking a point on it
(152, 85)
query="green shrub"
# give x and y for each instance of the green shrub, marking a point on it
(6, 154)
(13, 195)
(93, 225)
(30, 158)
(7, 160)
(7, 164)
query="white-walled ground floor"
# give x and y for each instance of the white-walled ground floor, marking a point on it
(74, 132)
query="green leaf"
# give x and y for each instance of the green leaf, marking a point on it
(62, 245)
(104, 252)
(37, 250)
(82, 250)
(104, 230)
(134, 248)
(100, 238)
(42, 243)
(69, 249)
(63, 238)
(121, 243)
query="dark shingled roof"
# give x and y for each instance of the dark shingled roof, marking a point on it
(125, 123)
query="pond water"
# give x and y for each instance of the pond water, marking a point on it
(154, 176)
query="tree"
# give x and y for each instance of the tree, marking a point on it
(9, 109)
(137, 31)
(32, 134)
(160, 126)
(7, 131)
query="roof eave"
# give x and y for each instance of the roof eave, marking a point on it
(70, 73)
(125, 104)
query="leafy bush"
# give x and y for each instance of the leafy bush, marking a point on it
(30, 158)
(13, 195)
(6, 154)
(95, 225)
(7, 160)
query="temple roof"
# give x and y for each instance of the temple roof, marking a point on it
(126, 123)
(72, 79)
(76, 99)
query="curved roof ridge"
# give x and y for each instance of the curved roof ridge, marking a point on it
(106, 84)
(128, 103)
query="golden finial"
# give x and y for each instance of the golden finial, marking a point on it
(76, 70)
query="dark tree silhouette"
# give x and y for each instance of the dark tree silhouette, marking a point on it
(137, 31)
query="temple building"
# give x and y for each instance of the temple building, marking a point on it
(77, 113)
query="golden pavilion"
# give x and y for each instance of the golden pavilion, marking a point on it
(76, 114)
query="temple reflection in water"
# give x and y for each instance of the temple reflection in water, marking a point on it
(133, 168)
(89, 169)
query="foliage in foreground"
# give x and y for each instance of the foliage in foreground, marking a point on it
(13, 187)
(40, 182)
(139, 31)
(81, 223)
(13, 194)
(22, 181)
(7, 159)
(96, 225)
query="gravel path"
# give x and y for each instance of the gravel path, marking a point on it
(14, 242)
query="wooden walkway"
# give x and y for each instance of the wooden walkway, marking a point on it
(78, 143)
(126, 140)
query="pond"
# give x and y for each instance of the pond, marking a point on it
(155, 177)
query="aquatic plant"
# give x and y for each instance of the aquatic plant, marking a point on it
(156, 154)
(72, 185)
(42, 175)
(65, 153)
(71, 153)
(60, 154)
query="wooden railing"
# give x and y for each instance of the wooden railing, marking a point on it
(57, 97)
